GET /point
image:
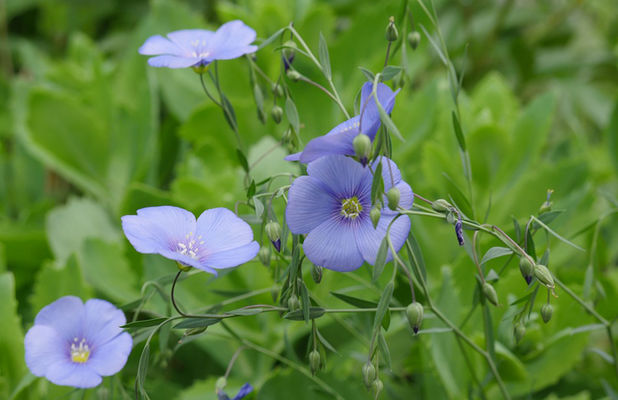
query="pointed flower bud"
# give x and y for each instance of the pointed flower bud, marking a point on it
(314, 361)
(459, 231)
(450, 217)
(414, 38)
(293, 75)
(546, 312)
(376, 387)
(542, 273)
(441, 205)
(393, 196)
(414, 314)
(264, 255)
(273, 231)
(362, 147)
(276, 113)
(526, 268)
(369, 374)
(316, 273)
(391, 30)
(375, 214)
(288, 52)
(277, 90)
(293, 302)
(490, 293)
(519, 331)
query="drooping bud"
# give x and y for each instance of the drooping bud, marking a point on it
(273, 231)
(220, 384)
(414, 38)
(526, 268)
(293, 75)
(293, 302)
(276, 113)
(316, 273)
(375, 214)
(376, 387)
(277, 90)
(450, 217)
(391, 30)
(459, 231)
(546, 312)
(441, 205)
(547, 204)
(315, 361)
(414, 314)
(369, 374)
(393, 196)
(362, 148)
(288, 52)
(542, 273)
(519, 331)
(490, 293)
(264, 255)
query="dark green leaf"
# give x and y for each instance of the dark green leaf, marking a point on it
(355, 301)
(368, 74)
(306, 303)
(458, 132)
(314, 313)
(377, 187)
(495, 252)
(243, 160)
(228, 112)
(383, 347)
(144, 323)
(292, 114)
(378, 266)
(271, 39)
(415, 255)
(196, 323)
(245, 311)
(390, 71)
(383, 305)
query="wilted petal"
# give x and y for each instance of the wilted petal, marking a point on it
(332, 245)
(309, 204)
(369, 239)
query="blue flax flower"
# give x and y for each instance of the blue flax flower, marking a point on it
(199, 47)
(244, 391)
(339, 139)
(75, 344)
(218, 239)
(332, 205)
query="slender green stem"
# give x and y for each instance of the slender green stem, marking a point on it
(586, 306)
(210, 96)
(317, 85)
(360, 310)
(232, 361)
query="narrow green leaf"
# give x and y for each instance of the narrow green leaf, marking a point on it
(530, 248)
(243, 160)
(548, 229)
(144, 323)
(271, 39)
(383, 304)
(355, 301)
(259, 207)
(612, 136)
(251, 189)
(458, 132)
(324, 57)
(306, 303)
(435, 46)
(378, 267)
(368, 74)
(495, 252)
(228, 112)
(548, 217)
(196, 323)
(415, 255)
(245, 311)
(383, 347)
(142, 369)
(517, 230)
(390, 71)
(258, 96)
(314, 313)
(292, 114)
(377, 186)
(386, 120)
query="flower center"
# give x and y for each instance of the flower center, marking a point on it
(351, 208)
(80, 352)
(190, 247)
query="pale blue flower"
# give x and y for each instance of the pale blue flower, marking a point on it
(75, 344)
(199, 47)
(217, 239)
(332, 205)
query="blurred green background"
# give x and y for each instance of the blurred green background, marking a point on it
(89, 132)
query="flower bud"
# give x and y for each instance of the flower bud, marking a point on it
(542, 273)
(459, 231)
(264, 255)
(414, 314)
(369, 374)
(362, 147)
(273, 231)
(316, 273)
(293, 75)
(519, 331)
(547, 204)
(314, 361)
(220, 384)
(391, 30)
(277, 90)
(276, 113)
(450, 217)
(288, 52)
(490, 293)
(377, 387)
(526, 268)
(393, 196)
(293, 303)
(287, 136)
(375, 214)
(441, 205)
(414, 38)
(546, 312)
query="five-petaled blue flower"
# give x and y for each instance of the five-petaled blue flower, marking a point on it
(75, 344)
(332, 205)
(218, 239)
(339, 140)
(244, 391)
(199, 47)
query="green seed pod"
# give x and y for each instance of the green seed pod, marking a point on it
(542, 273)
(546, 312)
(277, 90)
(391, 30)
(277, 114)
(293, 75)
(316, 273)
(362, 147)
(414, 314)
(375, 214)
(293, 303)
(414, 38)
(393, 196)
(490, 293)
(376, 387)
(315, 361)
(264, 255)
(526, 268)
(369, 374)
(519, 331)
(441, 205)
